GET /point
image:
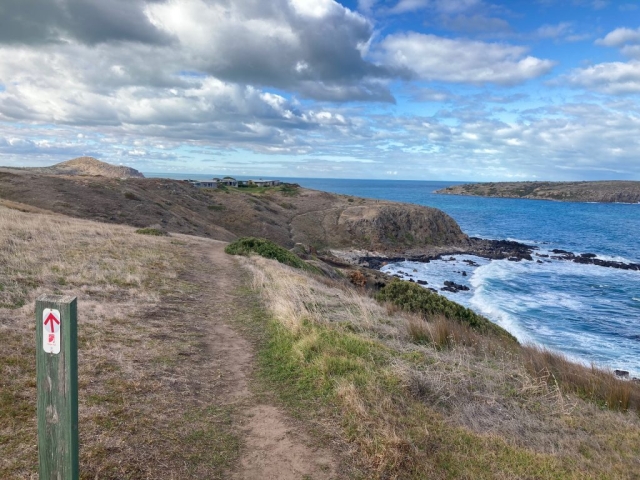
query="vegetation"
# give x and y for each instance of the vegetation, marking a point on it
(267, 249)
(425, 396)
(146, 382)
(414, 298)
(151, 231)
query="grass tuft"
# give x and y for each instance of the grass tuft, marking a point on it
(151, 231)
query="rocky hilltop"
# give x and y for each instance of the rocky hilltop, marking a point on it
(602, 191)
(88, 166)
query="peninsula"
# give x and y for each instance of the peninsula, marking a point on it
(612, 191)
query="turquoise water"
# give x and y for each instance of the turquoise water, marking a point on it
(588, 312)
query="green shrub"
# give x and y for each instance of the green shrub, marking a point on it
(414, 298)
(150, 231)
(217, 208)
(268, 249)
(290, 189)
(131, 196)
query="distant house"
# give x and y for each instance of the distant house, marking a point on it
(205, 184)
(263, 183)
(228, 182)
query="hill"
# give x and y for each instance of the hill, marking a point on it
(602, 191)
(88, 166)
(286, 214)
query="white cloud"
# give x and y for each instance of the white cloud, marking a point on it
(619, 37)
(614, 78)
(430, 57)
(553, 31)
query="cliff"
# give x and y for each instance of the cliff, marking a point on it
(286, 215)
(602, 191)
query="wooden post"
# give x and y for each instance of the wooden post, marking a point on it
(57, 382)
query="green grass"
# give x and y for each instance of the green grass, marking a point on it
(321, 368)
(268, 249)
(414, 298)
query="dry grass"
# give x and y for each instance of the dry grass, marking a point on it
(431, 398)
(144, 385)
(592, 383)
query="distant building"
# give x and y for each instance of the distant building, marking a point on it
(203, 184)
(227, 182)
(263, 183)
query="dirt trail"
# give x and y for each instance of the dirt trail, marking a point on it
(275, 447)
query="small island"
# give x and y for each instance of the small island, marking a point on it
(611, 191)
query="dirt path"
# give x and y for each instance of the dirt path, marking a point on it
(274, 446)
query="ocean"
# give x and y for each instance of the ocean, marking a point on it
(589, 313)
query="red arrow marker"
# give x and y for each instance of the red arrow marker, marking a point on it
(51, 318)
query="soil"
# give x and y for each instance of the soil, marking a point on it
(274, 445)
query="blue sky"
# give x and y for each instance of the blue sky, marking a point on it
(402, 89)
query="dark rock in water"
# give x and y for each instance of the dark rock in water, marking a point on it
(450, 286)
(471, 263)
(433, 289)
(415, 270)
(464, 274)
(588, 255)
(621, 373)
(542, 255)
(412, 280)
(421, 282)
(514, 259)
(539, 261)
(452, 259)
(562, 252)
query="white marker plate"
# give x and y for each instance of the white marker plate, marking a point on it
(51, 330)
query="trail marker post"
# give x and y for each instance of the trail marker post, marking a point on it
(57, 383)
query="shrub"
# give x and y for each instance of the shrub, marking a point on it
(290, 189)
(414, 298)
(268, 249)
(131, 196)
(151, 231)
(217, 208)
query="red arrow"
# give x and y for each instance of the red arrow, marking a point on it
(51, 318)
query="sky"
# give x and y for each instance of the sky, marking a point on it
(473, 90)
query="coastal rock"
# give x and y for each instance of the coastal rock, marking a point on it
(450, 286)
(621, 373)
(422, 282)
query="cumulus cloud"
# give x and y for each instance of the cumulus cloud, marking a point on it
(619, 37)
(87, 21)
(430, 57)
(614, 78)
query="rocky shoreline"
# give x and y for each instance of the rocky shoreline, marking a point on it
(495, 250)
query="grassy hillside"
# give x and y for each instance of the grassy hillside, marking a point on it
(285, 214)
(146, 383)
(424, 396)
(406, 386)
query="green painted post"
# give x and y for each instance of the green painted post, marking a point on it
(57, 381)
